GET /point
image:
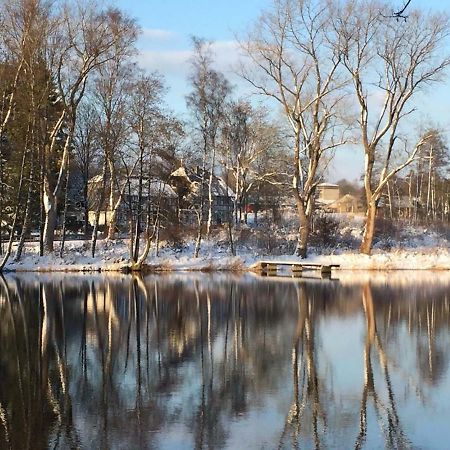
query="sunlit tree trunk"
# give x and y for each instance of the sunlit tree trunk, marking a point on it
(101, 199)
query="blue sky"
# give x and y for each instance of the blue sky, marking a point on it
(213, 19)
(165, 46)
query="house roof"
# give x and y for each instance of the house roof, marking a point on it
(328, 185)
(325, 202)
(157, 187)
(180, 173)
(219, 187)
(347, 198)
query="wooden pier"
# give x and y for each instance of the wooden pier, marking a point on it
(271, 267)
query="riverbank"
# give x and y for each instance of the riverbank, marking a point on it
(112, 256)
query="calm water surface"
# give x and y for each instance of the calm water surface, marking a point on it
(182, 362)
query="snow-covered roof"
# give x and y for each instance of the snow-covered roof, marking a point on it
(221, 188)
(180, 172)
(325, 202)
(157, 187)
(328, 185)
(347, 198)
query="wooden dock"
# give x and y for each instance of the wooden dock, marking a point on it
(269, 267)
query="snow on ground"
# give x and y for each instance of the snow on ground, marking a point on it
(396, 247)
(112, 255)
(421, 253)
(406, 259)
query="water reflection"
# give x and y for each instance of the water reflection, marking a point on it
(206, 362)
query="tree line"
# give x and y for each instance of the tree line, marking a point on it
(78, 114)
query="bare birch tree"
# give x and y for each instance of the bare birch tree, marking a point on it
(207, 105)
(112, 91)
(86, 155)
(26, 27)
(389, 62)
(248, 137)
(87, 38)
(145, 113)
(294, 60)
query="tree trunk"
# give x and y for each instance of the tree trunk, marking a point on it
(2, 196)
(198, 241)
(97, 212)
(50, 206)
(113, 211)
(41, 203)
(157, 239)
(137, 235)
(202, 204)
(430, 168)
(303, 230)
(369, 228)
(66, 204)
(230, 237)
(112, 224)
(155, 232)
(86, 208)
(114, 207)
(236, 194)
(27, 218)
(210, 194)
(50, 196)
(388, 186)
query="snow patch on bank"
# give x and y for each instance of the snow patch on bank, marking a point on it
(113, 255)
(405, 259)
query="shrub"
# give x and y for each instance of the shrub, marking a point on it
(325, 230)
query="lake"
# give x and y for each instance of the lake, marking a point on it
(233, 362)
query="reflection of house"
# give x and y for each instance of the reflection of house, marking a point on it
(187, 184)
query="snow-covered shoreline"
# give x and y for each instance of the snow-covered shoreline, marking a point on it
(112, 256)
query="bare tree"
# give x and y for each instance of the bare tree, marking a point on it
(26, 27)
(87, 39)
(391, 62)
(86, 154)
(249, 137)
(145, 113)
(207, 105)
(294, 60)
(112, 92)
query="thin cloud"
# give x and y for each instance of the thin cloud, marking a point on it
(156, 34)
(171, 62)
(167, 62)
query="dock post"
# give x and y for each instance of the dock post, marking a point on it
(297, 270)
(263, 268)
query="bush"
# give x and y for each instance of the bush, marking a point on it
(176, 236)
(325, 230)
(387, 233)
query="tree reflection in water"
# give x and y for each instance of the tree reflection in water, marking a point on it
(386, 413)
(306, 412)
(200, 362)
